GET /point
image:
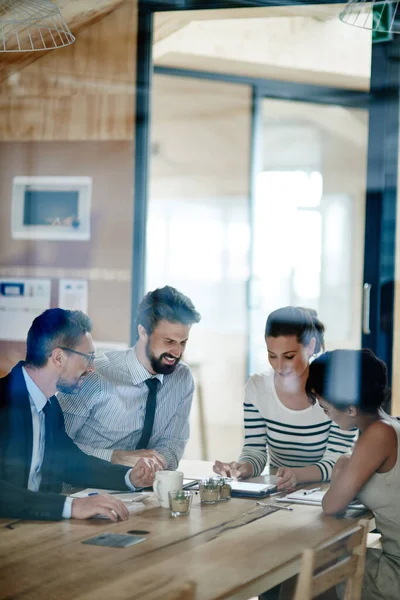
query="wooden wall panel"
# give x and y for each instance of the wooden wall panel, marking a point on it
(105, 260)
(70, 118)
(83, 92)
(78, 14)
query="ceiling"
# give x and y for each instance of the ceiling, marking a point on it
(296, 43)
(93, 80)
(305, 44)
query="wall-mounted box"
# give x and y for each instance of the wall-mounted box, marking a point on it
(51, 208)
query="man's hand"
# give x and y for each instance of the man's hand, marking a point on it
(287, 479)
(102, 504)
(237, 470)
(144, 472)
(129, 458)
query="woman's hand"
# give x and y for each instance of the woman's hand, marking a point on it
(237, 470)
(287, 479)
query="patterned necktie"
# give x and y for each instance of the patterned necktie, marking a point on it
(152, 384)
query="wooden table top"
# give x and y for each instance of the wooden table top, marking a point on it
(230, 549)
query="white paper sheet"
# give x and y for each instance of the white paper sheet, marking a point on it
(73, 294)
(313, 499)
(21, 301)
(127, 497)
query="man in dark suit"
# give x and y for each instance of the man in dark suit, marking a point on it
(36, 454)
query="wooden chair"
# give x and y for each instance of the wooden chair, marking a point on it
(183, 592)
(342, 559)
(374, 540)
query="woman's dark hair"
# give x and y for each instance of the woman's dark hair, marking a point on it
(298, 321)
(166, 304)
(55, 328)
(349, 378)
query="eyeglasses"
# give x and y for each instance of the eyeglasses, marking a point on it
(88, 357)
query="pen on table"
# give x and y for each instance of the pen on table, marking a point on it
(306, 492)
(289, 508)
(93, 494)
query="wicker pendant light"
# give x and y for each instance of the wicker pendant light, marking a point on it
(379, 16)
(32, 25)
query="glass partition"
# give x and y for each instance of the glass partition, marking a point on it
(308, 219)
(198, 240)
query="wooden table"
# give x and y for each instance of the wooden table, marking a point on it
(230, 549)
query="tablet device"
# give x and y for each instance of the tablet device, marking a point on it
(114, 540)
(244, 489)
(190, 484)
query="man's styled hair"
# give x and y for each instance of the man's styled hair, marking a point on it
(54, 328)
(166, 304)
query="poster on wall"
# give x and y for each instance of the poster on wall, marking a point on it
(73, 294)
(21, 301)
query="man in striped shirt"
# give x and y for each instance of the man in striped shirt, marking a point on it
(137, 401)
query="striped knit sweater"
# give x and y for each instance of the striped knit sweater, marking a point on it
(291, 438)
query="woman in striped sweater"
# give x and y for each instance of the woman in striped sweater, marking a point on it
(303, 444)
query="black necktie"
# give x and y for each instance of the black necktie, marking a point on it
(152, 384)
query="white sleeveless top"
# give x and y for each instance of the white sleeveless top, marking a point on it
(381, 494)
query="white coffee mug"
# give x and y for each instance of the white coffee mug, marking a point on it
(167, 481)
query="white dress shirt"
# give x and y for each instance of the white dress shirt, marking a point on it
(38, 401)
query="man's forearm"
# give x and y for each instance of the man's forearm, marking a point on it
(129, 458)
(89, 471)
(171, 456)
(103, 453)
(20, 503)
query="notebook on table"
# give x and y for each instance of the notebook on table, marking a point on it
(126, 497)
(313, 498)
(132, 500)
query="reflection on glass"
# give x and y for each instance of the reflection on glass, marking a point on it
(198, 237)
(308, 219)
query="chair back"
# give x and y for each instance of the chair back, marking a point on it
(342, 559)
(185, 591)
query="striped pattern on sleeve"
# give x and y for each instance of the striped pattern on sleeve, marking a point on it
(289, 438)
(255, 439)
(320, 444)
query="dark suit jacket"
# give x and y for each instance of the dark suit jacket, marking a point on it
(63, 460)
